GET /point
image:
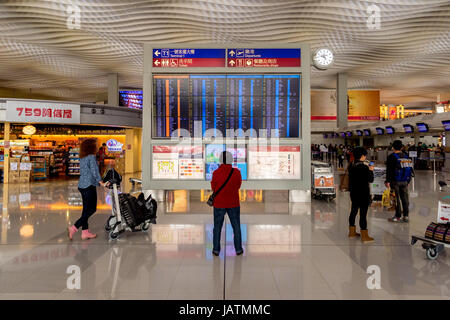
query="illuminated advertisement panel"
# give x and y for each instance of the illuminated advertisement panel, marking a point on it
(178, 162)
(213, 152)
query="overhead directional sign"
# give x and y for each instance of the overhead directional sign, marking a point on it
(256, 58)
(188, 57)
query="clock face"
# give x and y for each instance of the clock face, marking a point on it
(323, 58)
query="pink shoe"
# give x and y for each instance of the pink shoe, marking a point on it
(85, 234)
(71, 231)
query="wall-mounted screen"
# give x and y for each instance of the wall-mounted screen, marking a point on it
(367, 132)
(408, 128)
(211, 105)
(212, 153)
(178, 162)
(446, 124)
(359, 133)
(379, 131)
(343, 135)
(349, 133)
(422, 127)
(269, 162)
(131, 98)
(325, 136)
(390, 130)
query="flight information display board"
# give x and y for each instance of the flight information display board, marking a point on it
(211, 104)
(213, 151)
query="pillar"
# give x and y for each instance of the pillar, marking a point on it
(6, 153)
(113, 89)
(361, 141)
(342, 107)
(5, 215)
(416, 139)
(133, 150)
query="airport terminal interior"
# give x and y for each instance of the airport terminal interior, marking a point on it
(289, 88)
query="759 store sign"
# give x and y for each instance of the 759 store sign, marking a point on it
(38, 112)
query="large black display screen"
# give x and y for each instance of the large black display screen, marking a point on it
(211, 105)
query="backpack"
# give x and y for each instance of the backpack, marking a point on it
(404, 168)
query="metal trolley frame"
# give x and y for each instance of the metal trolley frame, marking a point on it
(325, 189)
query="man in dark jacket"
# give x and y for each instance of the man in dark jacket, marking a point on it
(398, 178)
(227, 201)
(360, 175)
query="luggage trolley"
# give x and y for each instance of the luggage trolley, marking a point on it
(434, 247)
(322, 181)
(127, 212)
(377, 187)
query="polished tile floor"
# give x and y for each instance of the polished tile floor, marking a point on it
(292, 251)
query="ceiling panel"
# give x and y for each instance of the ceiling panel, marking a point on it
(408, 57)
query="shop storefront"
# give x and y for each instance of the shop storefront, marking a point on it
(50, 151)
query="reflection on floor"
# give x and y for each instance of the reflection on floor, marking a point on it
(292, 251)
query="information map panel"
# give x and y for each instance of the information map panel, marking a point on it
(282, 162)
(209, 105)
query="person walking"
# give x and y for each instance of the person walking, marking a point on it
(360, 175)
(399, 171)
(101, 158)
(89, 180)
(227, 201)
(341, 157)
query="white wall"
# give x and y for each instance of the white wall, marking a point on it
(319, 139)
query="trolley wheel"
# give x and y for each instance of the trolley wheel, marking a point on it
(107, 224)
(432, 253)
(113, 235)
(145, 226)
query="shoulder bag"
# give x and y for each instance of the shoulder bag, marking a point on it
(211, 198)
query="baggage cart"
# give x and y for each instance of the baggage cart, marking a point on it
(322, 181)
(127, 212)
(434, 247)
(377, 187)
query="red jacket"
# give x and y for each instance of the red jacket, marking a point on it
(229, 196)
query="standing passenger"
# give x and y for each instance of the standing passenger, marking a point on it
(227, 201)
(360, 175)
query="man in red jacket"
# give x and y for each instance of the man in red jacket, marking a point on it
(227, 201)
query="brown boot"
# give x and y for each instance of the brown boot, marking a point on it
(365, 236)
(352, 232)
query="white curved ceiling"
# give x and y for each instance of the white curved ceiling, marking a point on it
(408, 57)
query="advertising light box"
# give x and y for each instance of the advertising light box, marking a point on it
(269, 162)
(408, 128)
(178, 162)
(422, 127)
(213, 152)
(446, 125)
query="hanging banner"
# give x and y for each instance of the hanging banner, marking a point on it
(42, 112)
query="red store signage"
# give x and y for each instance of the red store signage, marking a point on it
(41, 112)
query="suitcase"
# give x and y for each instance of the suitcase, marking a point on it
(438, 231)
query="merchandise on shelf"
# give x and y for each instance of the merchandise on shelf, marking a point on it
(74, 162)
